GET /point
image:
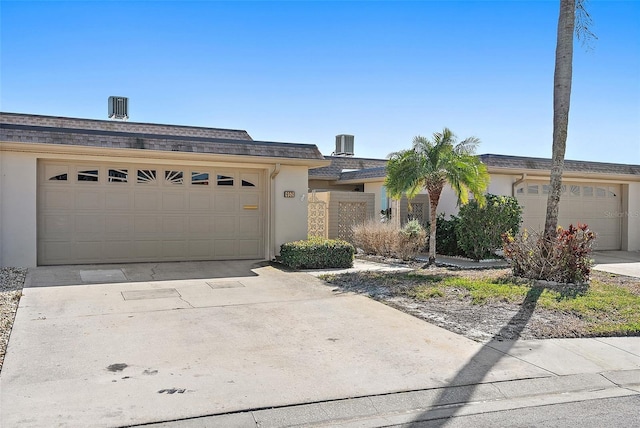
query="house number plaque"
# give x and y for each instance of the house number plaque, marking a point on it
(289, 194)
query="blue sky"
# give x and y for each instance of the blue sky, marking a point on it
(305, 71)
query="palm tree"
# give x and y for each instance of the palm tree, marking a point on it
(429, 165)
(562, 77)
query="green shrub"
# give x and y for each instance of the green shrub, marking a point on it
(446, 239)
(317, 253)
(479, 230)
(564, 259)
(411, 240)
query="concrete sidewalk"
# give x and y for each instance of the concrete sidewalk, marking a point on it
(618, 262)
(188, 343)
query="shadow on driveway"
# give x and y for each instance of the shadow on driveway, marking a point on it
(52, 276)
(473, 373)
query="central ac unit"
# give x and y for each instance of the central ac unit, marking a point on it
(344, 145)
(119, 108)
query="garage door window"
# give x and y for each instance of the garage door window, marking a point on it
(88, 175)
(59, 177)
(200, 178)
(173, 177)
(118, 175)
(146, 176)
(224, 180)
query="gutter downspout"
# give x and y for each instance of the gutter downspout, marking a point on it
(515, 183)
(272, 212)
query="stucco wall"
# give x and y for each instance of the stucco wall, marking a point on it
(631, 217)
(17, 209)
(501, 184)
(291, 213)
(376, 189)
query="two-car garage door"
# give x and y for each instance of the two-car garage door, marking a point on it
(596, 204)
(121, 212)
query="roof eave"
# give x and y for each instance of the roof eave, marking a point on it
(77, 150)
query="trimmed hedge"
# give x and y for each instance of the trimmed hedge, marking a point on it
(317, 253)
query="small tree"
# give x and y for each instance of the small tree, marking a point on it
(431, 164)
(479, 229)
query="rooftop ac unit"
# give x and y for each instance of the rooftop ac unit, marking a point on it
(119, 108)
(344, 145)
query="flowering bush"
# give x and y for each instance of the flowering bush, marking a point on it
(564, 259)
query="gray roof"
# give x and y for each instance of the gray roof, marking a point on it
(111, 134)
(121, 126)
(363, 174)
(520, 162)
(340, 163)
(375, 168)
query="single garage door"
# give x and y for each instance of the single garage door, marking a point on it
(595, 204)
(119, 212)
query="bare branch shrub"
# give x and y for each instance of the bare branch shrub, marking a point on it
(375, 237)
(563, 259)
(387, 240)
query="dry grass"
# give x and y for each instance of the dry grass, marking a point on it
(492, 304)
(387, 240)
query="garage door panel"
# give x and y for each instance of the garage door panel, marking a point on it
(249, 247)
(103, 213)
(147, 249)
(89, 200)
(117, 200)
(199, 226)
(148, 200)
(116, 224)
(224, 226)
(249, 227)
(56, 199)
(57, 225)
(174, 249)
(199, 201)
(226, 203)
(173, 225)
(118, 249)
(89, 224)
(88, 250)
(173, 201)
(590, 203)
(146, 225)
(199, 248)
(56, 251)
(223, 248)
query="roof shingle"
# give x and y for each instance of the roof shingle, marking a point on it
(103, 134)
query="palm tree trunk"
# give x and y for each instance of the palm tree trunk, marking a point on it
(434, 198)
(561, 99)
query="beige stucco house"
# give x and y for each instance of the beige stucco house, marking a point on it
(77, 191)
(606, 196)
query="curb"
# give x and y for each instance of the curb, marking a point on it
(429, 404)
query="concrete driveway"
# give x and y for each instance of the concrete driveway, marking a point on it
(107, 346)
(146, 348)
(620, 262)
